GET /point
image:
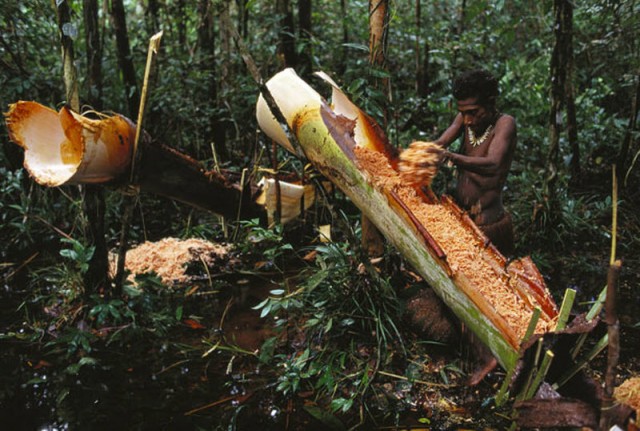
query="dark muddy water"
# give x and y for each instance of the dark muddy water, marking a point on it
(182, 381)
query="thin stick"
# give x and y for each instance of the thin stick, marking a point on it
(242, 180)
(540, 375)
(131, 200)
(220, 401)
(422, 382)
(152, 52)
(22, 265)
(614, 216)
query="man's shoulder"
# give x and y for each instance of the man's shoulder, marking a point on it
(506, 122)
(507, 119)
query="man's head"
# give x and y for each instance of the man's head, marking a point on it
(478, 84)
(476, 92)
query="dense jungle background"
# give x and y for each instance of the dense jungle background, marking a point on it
(283, 331)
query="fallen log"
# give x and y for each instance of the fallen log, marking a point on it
(470, 276)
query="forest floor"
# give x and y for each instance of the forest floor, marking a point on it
(206, 373)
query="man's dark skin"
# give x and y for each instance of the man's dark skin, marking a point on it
(482, 169)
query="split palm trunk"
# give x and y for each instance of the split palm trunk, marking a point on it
(64, 147)
(492, 298)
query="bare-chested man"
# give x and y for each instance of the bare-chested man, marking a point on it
(486, 156)
(483, 164)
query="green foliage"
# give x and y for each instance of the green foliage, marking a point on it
(346, 315)
(268, 245)
(79, 253)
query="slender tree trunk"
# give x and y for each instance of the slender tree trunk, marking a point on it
(372, 240)
(152, 16)
(215, 131)
(223, 61)
(70, 74)
(125, 62)
(96, 278)
(558, 78)
(378, 31)
(94, 195)
(243, 17)
(422, 62)
(94, 53)
(378, 25)
(572, 124)
(286, 44)
(304, 34)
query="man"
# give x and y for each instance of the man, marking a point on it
(486, 155)
(489, 142)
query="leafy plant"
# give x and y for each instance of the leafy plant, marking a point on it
(79, 253)
(344, 312)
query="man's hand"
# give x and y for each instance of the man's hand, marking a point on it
(419, 163)
(448, 158)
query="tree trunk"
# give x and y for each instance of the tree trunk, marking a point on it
(125, 62)
(304, 35)
(558, 78)
(378, 25)
(572, 125)
(243, 17)
(286, 41)
(94, 206)
(96, 278)
(94, 53)
(70, 74)
(372, 240)
(422, 62)
(152, 17)
(207, 62)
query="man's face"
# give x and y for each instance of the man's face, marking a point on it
(475, 115)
